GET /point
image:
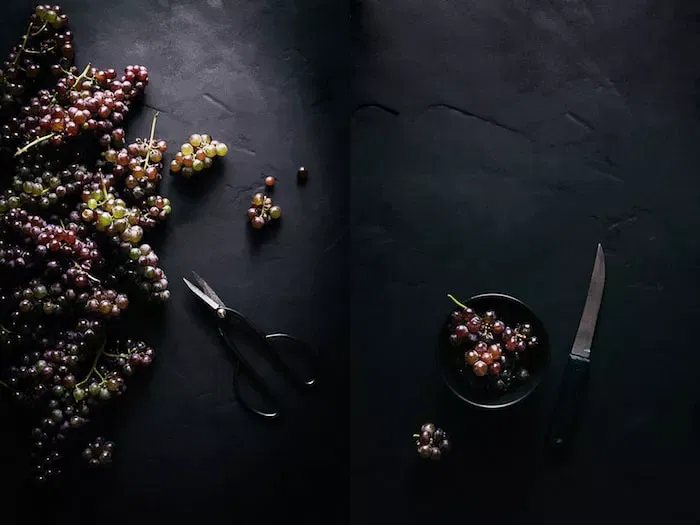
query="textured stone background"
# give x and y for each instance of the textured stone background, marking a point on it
(495, 143)
(270, 79)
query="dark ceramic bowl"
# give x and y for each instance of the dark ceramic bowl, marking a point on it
(470, 388)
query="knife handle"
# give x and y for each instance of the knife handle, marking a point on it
(565, 416)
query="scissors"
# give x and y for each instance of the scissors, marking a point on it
(226, 317)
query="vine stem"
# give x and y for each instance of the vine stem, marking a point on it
(38, 31)
(150, 140)
(24, 43)
(3, 384)
(93, 369)
(33, 143)
(456, 301)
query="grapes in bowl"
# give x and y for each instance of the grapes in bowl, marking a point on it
(493, 350)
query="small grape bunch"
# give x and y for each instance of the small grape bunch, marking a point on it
(141, 162)
(197, 154)
(491, 348)
(262, 211)
(432, 442)
(99, 453)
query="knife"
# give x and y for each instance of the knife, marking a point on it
(576, 373)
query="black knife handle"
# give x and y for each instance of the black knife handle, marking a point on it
(571, 392)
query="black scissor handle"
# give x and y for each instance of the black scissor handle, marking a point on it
(306, 382)
(266, 340)
(243, 363)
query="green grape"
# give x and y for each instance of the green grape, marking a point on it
(104, 219)
(92, 204)
(210, 151)
(197, 165)
(118, 211)
(187, 149)
(221, 149)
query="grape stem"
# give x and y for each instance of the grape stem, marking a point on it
(38, 31)
(33, 143)
(2, 383)
(150, 140)
(416, 435)
(456, 301)
(93, 369)
(87, 273)
(24, 44)
(3, 329)
(104, 186)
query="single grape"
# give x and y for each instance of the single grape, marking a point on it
(480, 368)
(220, 149)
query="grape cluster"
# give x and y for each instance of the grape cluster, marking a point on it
(99, 452)
(73, 225)
(197, 154)
(94, 101)
(47, 46)
(432, 442)
(142, 163)
(492, 349)
(262, 211)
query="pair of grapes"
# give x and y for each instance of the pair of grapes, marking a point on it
(197, 154)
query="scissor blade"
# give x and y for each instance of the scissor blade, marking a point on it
(204, 286)
(586, 328)
(199, 293)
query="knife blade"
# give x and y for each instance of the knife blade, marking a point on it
(576, 373)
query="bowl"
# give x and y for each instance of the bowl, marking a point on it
(470, 388)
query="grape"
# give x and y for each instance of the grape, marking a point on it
(497, 351)
(73, 255)
(262, 211)
(432, 442)
(197, 155)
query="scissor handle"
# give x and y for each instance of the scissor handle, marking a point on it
(242, 362)
(308, 382)
(267, 338)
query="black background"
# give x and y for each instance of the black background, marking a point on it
(493, 145)
(261, 77)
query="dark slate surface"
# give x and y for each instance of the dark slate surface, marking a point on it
(270, 79)
(494, 144)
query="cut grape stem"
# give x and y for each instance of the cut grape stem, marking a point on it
(33, 143)
(463, 307)
(150, 140)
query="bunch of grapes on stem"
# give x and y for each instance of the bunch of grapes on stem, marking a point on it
(77, 208)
